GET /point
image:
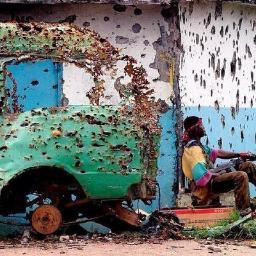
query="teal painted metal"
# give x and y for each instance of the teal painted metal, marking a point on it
(107, 149)
(101, 155)
(34, 84)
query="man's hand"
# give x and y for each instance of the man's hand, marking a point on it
(247, 155)
(227, 154)
(216, 172)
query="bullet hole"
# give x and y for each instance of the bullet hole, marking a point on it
(237, 101)
(216, 105)
(253, 86)
(252, 76)
(82, 171)
(220, 143)
(143, 55)
(46, 70)
(233, 65)
(222, 31)
(201, 80)
(121, 40)
(183, 15)
(137, 11)
(119, 8)
(238, 35)
(223, 70)
(226, 30)
(240, 23)
(197, 39)
(211, 92)
(208, 20)
(213, 61)
(253, 25)
(118, 26)
(233, 112)
(213, 30)
(199, 107)
(217, 71)
(196, 77)
(254, 39)
(222, 120)
(78, 163)
(232, 130)
(146, 42)
(34, 82)
(106, 18)
(204, 84)
(242, 136)
(251, 103)
(136, 28)
(55, 86)
(3, 147)
(245, 99)
(239, 63)
(234, 25)
(248, 51)
(86, 24)
(69, 19)
(202, 46)
(218, 9)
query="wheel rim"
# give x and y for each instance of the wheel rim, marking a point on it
(46, 219)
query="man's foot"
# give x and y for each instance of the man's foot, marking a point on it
(245, 212)
(253, 203)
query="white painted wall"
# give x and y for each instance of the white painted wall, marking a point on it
(200, 44)
(111, 25)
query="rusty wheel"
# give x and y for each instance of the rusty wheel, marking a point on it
(46, 219)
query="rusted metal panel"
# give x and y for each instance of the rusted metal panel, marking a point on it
(139, 94)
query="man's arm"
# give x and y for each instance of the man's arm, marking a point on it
(227, 154)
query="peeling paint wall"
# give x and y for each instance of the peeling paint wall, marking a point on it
(140, 32)
(217, 71)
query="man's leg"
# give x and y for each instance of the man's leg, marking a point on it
(250, 169)
(237, 181)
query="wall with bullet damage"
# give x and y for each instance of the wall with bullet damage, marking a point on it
(217, 71)
(140, 32)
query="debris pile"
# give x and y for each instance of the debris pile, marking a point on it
(164, 224)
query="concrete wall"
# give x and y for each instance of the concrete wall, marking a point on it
(217, 72)
(140, 32)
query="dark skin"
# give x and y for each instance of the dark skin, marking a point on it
(198, 132)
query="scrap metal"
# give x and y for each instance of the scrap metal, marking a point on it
(110, 150)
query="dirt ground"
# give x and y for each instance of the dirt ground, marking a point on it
(109, 248)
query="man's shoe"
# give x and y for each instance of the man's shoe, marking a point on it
(245, 212)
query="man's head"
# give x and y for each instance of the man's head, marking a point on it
(194, 127)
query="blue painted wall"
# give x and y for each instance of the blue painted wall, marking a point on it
(166, 162)
(38, 84)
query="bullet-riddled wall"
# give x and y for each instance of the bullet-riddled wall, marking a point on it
(217, 71)
(142, 32)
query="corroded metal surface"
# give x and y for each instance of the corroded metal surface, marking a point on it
(107, 149)
(46, 219)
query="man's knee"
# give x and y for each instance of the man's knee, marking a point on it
(242, 176)
(247, 166)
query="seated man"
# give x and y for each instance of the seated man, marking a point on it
(197, 165)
